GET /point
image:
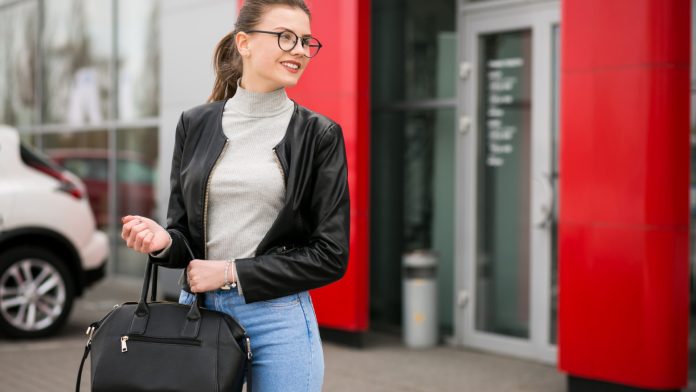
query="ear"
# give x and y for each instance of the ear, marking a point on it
(242, 42)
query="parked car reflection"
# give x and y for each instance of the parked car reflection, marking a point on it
(50, 249)
(134, 173)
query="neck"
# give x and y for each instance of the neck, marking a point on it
(258, 87)
(258, 104)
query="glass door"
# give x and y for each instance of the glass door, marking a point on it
(507, 178)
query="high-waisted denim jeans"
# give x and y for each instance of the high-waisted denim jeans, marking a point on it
(284, 338)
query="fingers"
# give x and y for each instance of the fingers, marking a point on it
(129, 218)
(136, 233)
(196, 276)
(192, 277)
(143, 240)
(205, 275)
(135, 228)
(129, 223)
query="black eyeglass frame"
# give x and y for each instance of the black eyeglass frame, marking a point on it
(303, 40)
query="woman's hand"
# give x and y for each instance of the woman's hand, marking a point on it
(143, 234)
(206, 275)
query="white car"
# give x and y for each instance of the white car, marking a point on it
(50, 249)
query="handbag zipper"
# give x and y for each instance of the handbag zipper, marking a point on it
(205, 205)
(92, 328)
(150, 339)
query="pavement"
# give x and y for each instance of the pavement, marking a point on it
(384, 365)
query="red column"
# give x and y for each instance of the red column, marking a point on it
(624, 213)
(336, 84)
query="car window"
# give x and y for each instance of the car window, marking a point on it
(33, 157)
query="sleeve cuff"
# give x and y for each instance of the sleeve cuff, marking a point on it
(161, 254)
(236, 277)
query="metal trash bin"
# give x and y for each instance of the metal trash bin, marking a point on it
(420, 299)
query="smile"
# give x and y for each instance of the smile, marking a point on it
(291, 65)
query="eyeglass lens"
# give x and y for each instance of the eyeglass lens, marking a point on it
(288, 40)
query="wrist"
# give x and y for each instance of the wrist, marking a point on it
(168, 242)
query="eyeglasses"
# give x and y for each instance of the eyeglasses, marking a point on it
(287, 40)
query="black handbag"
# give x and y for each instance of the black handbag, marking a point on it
(166, 346)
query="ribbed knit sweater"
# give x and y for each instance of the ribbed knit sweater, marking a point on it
(247, 188)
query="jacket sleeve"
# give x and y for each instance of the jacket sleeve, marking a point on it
(325, 257)
(178, 254)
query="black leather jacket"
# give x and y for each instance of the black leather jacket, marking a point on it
(307, 245)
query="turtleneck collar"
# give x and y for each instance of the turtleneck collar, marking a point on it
(253, 104)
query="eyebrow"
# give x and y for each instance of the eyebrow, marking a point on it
(289, 29)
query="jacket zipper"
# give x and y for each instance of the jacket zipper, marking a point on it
(280, 166)
(205, 205)
(150, 339)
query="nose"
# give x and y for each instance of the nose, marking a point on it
(298, 49)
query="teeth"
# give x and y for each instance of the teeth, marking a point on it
(290, 65)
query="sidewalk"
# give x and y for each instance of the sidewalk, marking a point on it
(384, 366)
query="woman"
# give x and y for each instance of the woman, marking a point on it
(259, 192)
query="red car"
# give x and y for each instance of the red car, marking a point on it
(135, 180)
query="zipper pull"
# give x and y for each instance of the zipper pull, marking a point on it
(90, 331)
(248, 346)
(124, 347)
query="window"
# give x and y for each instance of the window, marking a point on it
(413, 97)
(84, 87)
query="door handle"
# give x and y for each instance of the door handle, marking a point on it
(545, 223)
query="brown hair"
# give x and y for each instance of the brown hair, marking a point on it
(226, 59)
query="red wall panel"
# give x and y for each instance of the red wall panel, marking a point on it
(624, 213)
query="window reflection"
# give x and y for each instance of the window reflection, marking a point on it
(18, 42)
(502, 263)
(428, 194)
(136, 173)
(29, 139)
(60, 75)
(418, 174)
(414, 64)
(138, 62)
(85, 154)
(425, 33)
(77, 49)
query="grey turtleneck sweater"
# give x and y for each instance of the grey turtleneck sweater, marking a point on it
(247, 188)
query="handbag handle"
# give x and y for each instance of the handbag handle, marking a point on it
(142, 312)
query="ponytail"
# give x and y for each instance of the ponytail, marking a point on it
(228, 68)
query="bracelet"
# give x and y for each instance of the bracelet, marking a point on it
(227, 285)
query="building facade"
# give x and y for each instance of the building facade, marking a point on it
(458, 143)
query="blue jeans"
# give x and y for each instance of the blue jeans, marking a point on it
(284, 338)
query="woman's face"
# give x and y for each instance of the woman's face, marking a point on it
(266, 66)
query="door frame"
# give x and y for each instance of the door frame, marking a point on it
(474, 20)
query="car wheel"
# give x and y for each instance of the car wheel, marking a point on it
(36, 292)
